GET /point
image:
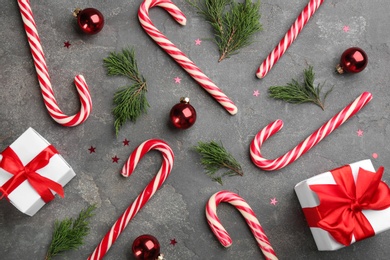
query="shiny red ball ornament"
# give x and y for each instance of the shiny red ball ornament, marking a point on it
(183, 115)
(352, 60)
(146, 247)
(89, 20)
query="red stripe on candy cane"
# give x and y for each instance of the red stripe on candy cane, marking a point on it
(128, 168)
(176, 54)
(250, 217)
(308, 143)
(43, 75)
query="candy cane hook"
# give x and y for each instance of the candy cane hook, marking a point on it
(308, 143)
(249, 216)
(43, 75)
(288, 38)
(176, 54)
(143, 197)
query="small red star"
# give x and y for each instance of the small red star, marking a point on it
(198, 41)
(359, 132)
(256, 93)
(177, 80)
(346, 28)
(115, 159)
(273, 201)
(126, 142)
(173, 242)
(92, 149)
(67, 44)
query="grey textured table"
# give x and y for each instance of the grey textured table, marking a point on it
(176, 212)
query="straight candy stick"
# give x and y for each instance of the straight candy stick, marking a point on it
(176, 54)
(308, 143)
(288, 39)
(249, 216)
(43, 75)
(143, 197)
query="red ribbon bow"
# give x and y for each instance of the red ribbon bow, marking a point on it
(341, 205)
(12, 164)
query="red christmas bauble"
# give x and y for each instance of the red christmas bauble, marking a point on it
(90, 20)
(146, 247)
(183, 115)
(352, 60)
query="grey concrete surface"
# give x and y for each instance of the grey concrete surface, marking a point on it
(177, 209)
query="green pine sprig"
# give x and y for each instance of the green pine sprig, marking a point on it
(298, 93)
(233, 23)
(130, 101)
(69, 233)
(216, 157)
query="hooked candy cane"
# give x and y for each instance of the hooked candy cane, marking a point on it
(308, 143)
(43, 75)
(288, 38)
(143, 197)
(176, 54)
(248, 214)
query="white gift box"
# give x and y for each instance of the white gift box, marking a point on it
(379, 219)
(27, 147)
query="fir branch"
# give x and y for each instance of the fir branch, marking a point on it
(130, 101)
(297, 93)
(233, 23)
(68, 234)
(215, 157)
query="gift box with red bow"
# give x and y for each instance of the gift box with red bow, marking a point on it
(32, 172)
(345, 205)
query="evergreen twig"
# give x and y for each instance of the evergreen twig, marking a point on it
(68, 234)
(297, 93)
(215, 157)
(233, 23)
(130, 101)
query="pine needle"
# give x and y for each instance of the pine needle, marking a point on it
(297, 93)
(68, 234)
(233, 23)
(214, 158)
(130, 101)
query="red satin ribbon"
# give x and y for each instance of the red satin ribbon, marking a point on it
(341, 205)
(12, 164)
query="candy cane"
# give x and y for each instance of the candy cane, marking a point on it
(308, 143)
(289, 37)
(176, 54)
(43, 75)
(143, 197)
(249, 216)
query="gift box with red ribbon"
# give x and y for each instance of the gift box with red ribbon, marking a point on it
(345, 205)
(32, 172)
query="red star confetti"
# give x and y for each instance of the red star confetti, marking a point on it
(346, 28)
(126, 142)
(256, 93)
(198, 41)
(115, 159)
(92, 149)
(273, 201)
(374, 155)
(67, 44)
(359, 132)
(177, 80)
(173, 242)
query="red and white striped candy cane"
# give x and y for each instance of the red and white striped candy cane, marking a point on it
(308, 143)
(43, 74)
(288, 38)
(143, 197)
(176, 54)
(249, 216)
